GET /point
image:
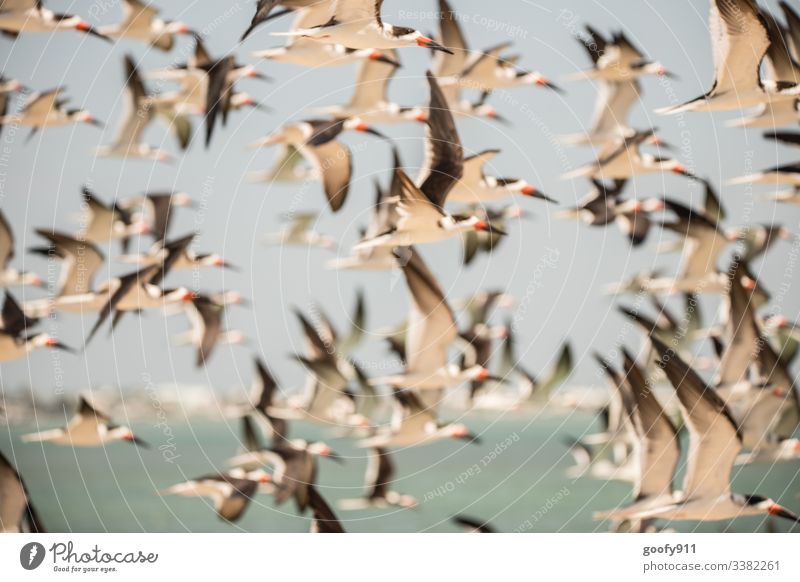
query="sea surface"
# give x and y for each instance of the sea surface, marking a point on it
(515, 479)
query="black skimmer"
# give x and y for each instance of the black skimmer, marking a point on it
(478, 350)
(598, 207)
(633, 218)
(46, 109)
(140, 22)
(785, 336)
(623, 160)
(158, 209)
(739, 40)
(295, 467)
(88, 428)
(132, 292)
(298, 232)
(230, 492)
(616, 59)
(414, 424)
(370, 100)
(759, 238)
(205, 317)
(265, 387)
(475, 187)
(306, 52)
(485, 241)
(421, 214)
(786, 174)
(141, 110)
(8, 275)
(179, 254)
(357, 24)
(16, 340)
(102, 222)
(265, 11)
(488, 71)
(80, 263)
(783, 70)
(384, 218)
(379, 476)
(316, 141)
(17, 513)
(715, 443)
(18, 16)
(703, 243)
(447, 65)
(658, 447)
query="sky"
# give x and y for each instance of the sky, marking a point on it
(556, 268)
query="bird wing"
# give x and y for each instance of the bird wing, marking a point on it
(380, 471)
(137, 15)
(714, 438)
(372, 84)
(614, 103)
(660, 449)
(473, 167)
(301, 223)
(210, 315)
(83, 260)
(742, 349)
(334, 163)
(43, 103)
(139, 112)
(780, 64)
(740, 40)
(345, 11)
(431, 324)
(444, 156)
(325, 520)
(13, 319)
(452, 37)
(264, 386)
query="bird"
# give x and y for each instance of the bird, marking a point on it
(16, 338)
(370, 100)
(103, 222)
(24, 16)
(7, 88)
(298, 233)
(379, 476)
(475, 187)
(158, 209)
(316, 140)
(205, 317)
(488, 71)
(140, 22)
(658, 448)
(47, 109)
(88, 428)
(616, 59)
(17, 512)
(357, 24)
(383, 219)
(420, 209)
(184, 257)
(413, 425)
(306, 52)
(141, 109)
(231, 493)
(325, 520)
(715, 442)
(265, 11)
(624, 160)
(598, 207)
(739, 41)
(10, 276)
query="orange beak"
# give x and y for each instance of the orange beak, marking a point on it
(528, 190)
(424, 41)
(481, 225)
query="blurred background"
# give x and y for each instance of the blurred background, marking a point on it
(40, 180)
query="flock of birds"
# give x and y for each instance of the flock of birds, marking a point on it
(750, 403)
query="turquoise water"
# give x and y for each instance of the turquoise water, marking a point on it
(518, 485)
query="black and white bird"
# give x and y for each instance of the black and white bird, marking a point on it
(357, 24)
(378, 480)
(23, 16)
(17, 339)
(9, 276)
(88, 428)
(739, 41)
(47, 109)
(140, 22)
